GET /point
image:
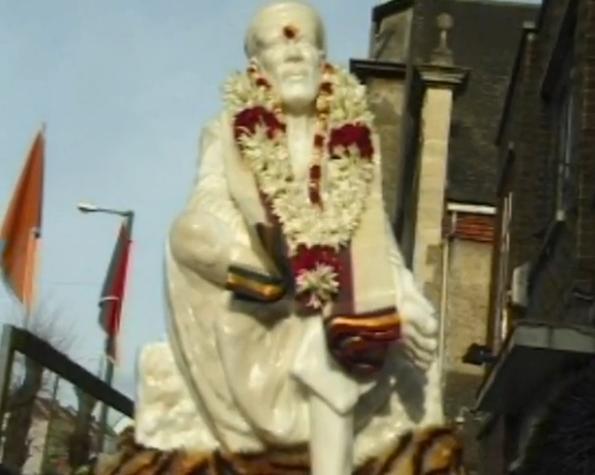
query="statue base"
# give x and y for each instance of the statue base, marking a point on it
(434, 450)
(167, 438)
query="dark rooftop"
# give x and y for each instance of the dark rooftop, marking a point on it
(485, 39)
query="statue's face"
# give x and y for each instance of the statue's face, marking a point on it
(288, 55)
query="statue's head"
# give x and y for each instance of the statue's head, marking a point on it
(286, 41)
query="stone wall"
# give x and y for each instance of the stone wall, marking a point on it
(468, 284)
(386, 98)
(557, 241)
(557, 237)
(468, 287)
(585, 85)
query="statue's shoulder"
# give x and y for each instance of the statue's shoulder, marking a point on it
(214, 125)
(217, 128)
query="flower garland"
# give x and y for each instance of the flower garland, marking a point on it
(320, 219)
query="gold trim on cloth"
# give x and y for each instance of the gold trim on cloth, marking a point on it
(376, 322)
(377, 326)
(251, 286)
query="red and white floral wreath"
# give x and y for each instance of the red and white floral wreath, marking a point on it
(320, 219)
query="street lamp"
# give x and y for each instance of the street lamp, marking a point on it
(85, 207)
(112, 294)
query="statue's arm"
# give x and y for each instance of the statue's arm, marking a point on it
(419, 320)
(209, 237)
(419, 323)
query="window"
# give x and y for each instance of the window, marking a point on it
(502, 317)
(558, 90)
(565, 162)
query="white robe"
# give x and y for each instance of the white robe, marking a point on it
(247, 368)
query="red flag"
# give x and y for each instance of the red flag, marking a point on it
(21, 229)
(114, 287)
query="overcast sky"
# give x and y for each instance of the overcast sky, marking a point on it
(124, 88)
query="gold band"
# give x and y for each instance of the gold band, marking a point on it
(377, 321)
(253, 288)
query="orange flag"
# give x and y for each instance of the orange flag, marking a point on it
(21, 228)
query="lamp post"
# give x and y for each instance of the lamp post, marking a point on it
(85, 207)
(112, 293)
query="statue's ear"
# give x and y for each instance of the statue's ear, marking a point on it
(322, 54)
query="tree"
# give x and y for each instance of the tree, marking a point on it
(29, 381)
(80, 441)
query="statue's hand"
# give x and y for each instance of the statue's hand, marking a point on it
(419, 337)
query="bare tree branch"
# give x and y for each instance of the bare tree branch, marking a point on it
(30, 378)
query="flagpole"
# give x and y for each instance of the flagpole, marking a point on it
(108, 379)
(117, 299)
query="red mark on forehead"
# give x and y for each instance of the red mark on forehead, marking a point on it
(290, 32)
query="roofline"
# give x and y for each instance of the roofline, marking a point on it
(380, 12)
(503, 3)
(563, 43)
(460, 207)
(467, 201)
(528, 28)
(363, 68)
(544, 6)
(540, 336)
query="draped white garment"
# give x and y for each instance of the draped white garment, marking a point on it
(248, 367)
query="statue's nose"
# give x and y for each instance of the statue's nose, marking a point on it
(293, 52)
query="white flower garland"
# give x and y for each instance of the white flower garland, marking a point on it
(346, 177)
(320, 283)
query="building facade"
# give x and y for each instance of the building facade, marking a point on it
(539, 411)
(436, 76)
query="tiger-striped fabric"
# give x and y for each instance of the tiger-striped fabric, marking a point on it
(432, 451)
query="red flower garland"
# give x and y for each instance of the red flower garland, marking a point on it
(246, 121)
(352, 134)
(307, 259)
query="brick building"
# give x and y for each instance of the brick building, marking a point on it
(436, 76)
(542, 306)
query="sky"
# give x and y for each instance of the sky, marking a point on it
(124, 89)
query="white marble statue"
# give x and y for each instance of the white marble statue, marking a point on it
(293, 317)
